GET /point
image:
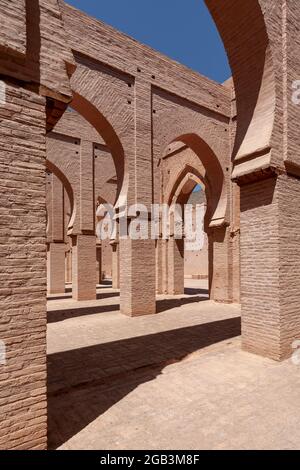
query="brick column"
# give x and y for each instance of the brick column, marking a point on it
(219, 265)
(270, 266)
(69, 263)
(23, 270)
(137, 277)
(98, 263)
(83, 267)
(175, 266)
(84, 243)
(56, 267)
(165, 264)
(115, 265)
(159, 248)
(137, 257)
(87, 190)
(56, 248)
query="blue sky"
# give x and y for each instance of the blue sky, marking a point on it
(181, 29)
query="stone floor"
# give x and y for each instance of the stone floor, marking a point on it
(175, 380)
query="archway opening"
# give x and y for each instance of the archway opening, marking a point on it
(192, 181)
(89, 162)
(196, 241)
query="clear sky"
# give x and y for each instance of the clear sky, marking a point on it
(181, 29)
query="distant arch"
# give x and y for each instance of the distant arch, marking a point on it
(213, 179)
(50, 166)
(183, 188)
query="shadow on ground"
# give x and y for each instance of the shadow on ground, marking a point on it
(54, 316)
(84, 383)
(196, 291)
(168, 304)
(68, 292)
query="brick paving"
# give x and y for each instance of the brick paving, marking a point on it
(173, 380)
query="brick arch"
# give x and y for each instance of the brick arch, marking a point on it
(185, 183)
(68, 187)
(185, 175)
(91, 113)
(243, 27)
(214, 176)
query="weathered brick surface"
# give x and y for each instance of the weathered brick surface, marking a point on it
(23, 270)
(270, 266)
(13, 26)
(289, 261)
(35, 48)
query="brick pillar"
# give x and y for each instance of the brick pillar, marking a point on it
(235, 243)
(115, 265)
(159, 265)
(98, 263)
(270, 266)
(69, 264)
(165, 264)
(175, 266)
(56, 267)
(23, 271)
(235, 266)
(83, 267)
(219, 268)
(87, 189)
(137, 257)
(56, 247)
(137, 277)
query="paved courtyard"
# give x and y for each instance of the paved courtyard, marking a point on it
(175, 380)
